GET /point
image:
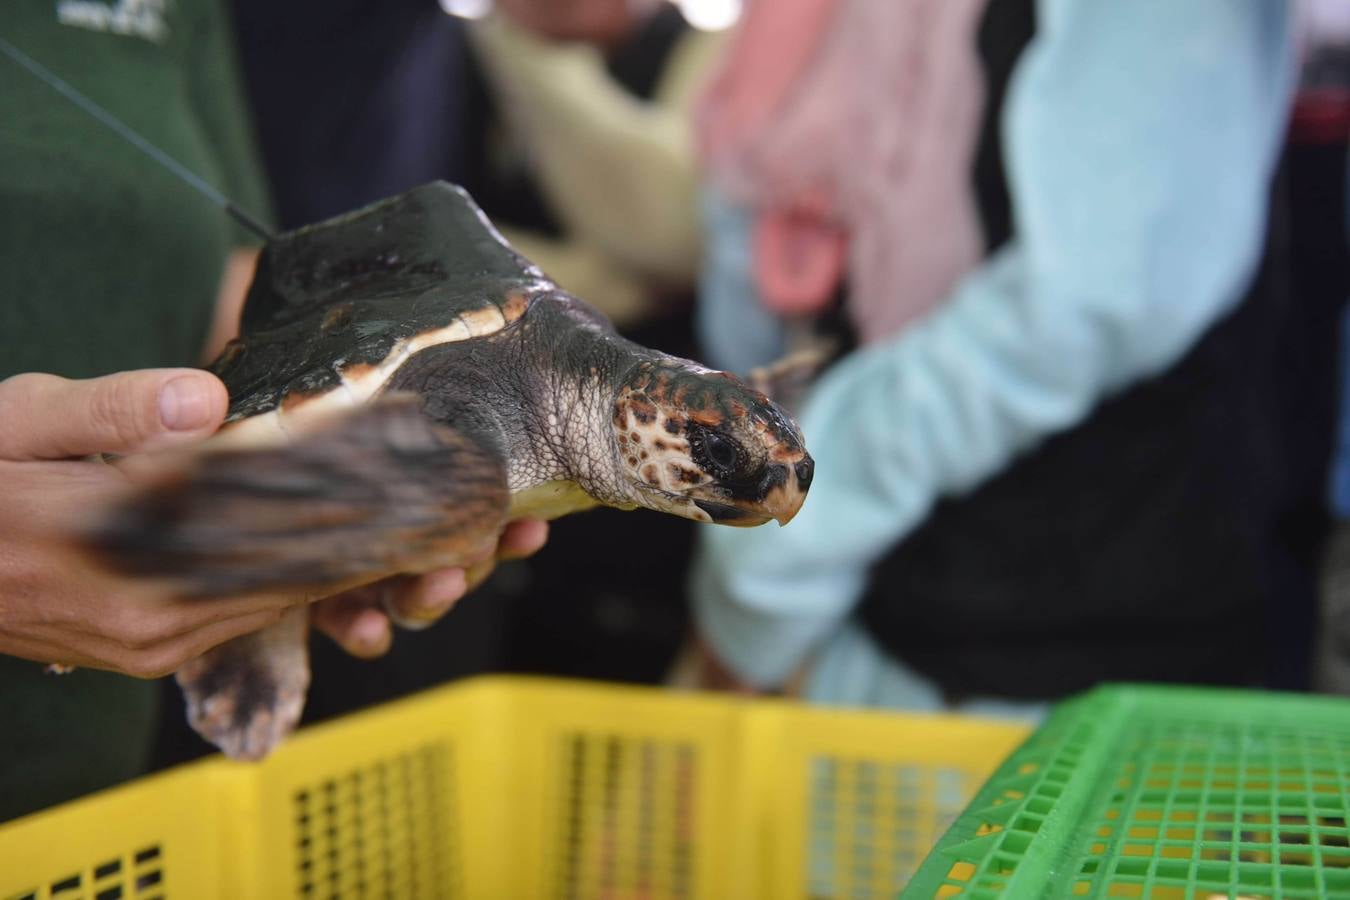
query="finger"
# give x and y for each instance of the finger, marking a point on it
(522, 538)
(47, 417)
(194, 643)
(355, 623)
(416, 603)
(148, 612)
(43, 651)
(185, 616)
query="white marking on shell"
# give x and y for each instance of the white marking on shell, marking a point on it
(343, 386)
(484, 320)
(358, 384)
(302, 416)
(254, 432)
(367, 381)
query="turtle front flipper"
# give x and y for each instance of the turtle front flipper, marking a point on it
(246, 695)
(378, 490)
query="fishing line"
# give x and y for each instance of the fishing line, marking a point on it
(125, 131)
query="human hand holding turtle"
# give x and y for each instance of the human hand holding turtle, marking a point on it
(57, 607)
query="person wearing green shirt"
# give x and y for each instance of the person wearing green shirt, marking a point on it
(115, 278)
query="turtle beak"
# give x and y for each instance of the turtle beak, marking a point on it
(785, 498)
(784, 489)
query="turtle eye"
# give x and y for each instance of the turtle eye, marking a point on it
(722, 451)
(717, 453)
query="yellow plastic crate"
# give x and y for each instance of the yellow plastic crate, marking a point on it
(523, 788)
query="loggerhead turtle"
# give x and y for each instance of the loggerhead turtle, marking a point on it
(404, 385)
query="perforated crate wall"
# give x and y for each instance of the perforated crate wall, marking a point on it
(380, 830)
(135, 875)
(628, 818)
(871, 823)
(1167, 794)
(524, 788)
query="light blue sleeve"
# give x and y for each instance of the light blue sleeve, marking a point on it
(1140, 140)
(735, 331)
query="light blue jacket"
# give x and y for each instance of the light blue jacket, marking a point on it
(1140, 139)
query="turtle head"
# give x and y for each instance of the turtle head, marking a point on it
(704, 445)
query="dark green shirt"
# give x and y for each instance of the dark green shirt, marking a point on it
(107, 262)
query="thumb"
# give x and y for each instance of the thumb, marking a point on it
(47, 417)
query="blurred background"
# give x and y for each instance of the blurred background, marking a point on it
(862, 179)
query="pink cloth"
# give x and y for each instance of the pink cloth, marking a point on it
(849, 128)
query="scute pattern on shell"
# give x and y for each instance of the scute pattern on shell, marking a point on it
(345, 301)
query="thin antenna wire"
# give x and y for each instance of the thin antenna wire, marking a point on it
(195, 181)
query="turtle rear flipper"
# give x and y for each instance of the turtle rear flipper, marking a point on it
(246, 695)
(380, 490)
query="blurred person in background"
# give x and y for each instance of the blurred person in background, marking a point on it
(355, 100)
(595, 99)
(1055, 457)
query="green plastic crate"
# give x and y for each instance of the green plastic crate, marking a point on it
(1161, 793)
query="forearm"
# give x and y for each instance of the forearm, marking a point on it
(235, 279)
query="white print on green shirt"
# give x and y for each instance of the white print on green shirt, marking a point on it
(134, 18)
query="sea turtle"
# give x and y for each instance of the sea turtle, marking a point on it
(404, 385)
